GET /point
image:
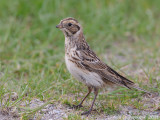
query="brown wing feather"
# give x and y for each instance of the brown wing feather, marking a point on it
(92, 63)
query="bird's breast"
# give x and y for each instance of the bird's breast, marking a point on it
(82, 74)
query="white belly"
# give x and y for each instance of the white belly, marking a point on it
(88, 78)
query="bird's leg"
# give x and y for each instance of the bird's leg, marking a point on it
(95, 95)
(80, 104)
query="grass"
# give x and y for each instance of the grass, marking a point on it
(32, 49)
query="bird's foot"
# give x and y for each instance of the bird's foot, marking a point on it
(76, 106)
(86, 113)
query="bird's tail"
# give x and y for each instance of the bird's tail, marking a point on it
(138, 88)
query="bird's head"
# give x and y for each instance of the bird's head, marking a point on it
(69, 26)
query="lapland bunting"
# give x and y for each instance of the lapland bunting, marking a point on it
(84, 64)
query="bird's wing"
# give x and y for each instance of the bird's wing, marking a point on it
(91, 62)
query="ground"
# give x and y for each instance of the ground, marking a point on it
(35, 83)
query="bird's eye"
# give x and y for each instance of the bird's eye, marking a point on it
(69, 24)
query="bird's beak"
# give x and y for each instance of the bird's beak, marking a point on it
(59, 26)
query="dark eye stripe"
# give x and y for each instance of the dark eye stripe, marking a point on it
(78, 27)
(72, 29)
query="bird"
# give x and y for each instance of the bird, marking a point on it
(85, 66)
